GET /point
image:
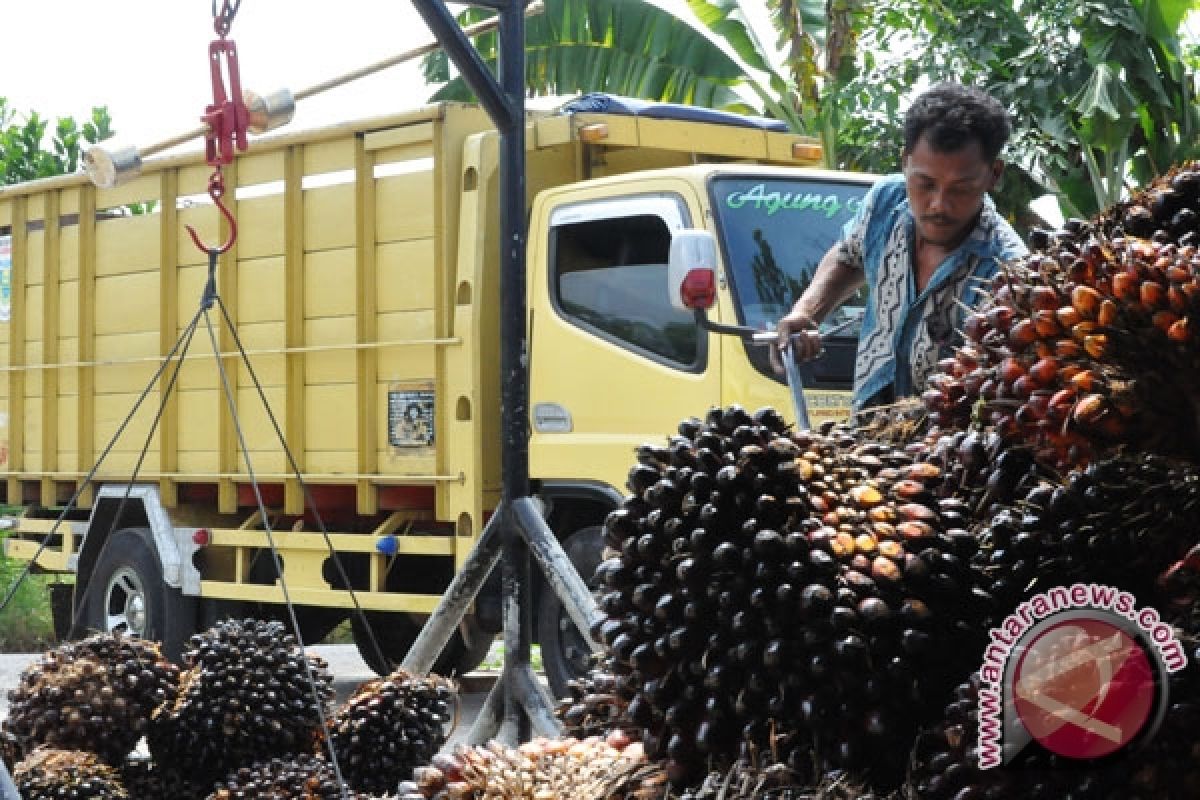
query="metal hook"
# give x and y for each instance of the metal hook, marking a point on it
(216, 190)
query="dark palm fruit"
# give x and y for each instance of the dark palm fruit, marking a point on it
(780, 601)
(95, 695)
(389, 726)
(248, 693)
(145, 780)
(299, 777)
(51, 774)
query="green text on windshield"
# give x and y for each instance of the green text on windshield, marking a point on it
(775, 232)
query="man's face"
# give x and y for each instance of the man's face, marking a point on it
(945, 190)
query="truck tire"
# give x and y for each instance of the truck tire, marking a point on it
(126, 590)
(565, 654)
(395, 633)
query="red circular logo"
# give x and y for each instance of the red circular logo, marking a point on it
(1083, 688)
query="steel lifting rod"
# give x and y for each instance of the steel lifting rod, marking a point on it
(518, 705)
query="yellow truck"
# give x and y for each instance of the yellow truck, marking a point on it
(363, 289)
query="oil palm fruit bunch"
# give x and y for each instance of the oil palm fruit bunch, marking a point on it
(52, 774)
(298, 777)
(95, 695)
(593, 707)
(390, 725)
(1092, 342)
(777, 589)
(1123, 522)
(248, 693)
(542, 769)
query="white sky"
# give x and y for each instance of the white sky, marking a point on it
(147, 60)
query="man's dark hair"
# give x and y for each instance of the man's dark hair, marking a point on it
(952, 116)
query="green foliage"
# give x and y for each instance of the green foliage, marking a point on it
(23, 152)
(1101, 91)
(620, 46)
(26, 625)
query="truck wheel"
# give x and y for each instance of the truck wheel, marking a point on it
(396, 632)
(565, 653)
(126, 591)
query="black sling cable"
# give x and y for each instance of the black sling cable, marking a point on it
(166, 395)
(308, 499)
(231, 401)
(100, 461)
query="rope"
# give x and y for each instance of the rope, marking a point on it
(89, 478)
(308, 498)
(231, 401)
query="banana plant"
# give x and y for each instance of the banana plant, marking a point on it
(717, 59)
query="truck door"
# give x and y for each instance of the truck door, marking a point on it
(612, 364)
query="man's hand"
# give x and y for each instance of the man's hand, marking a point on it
(801, 330)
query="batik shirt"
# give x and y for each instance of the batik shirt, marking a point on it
(906, 332)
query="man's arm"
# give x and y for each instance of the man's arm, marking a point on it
(837, 278)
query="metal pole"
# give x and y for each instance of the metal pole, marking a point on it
(514, 377)
(8, 790)
(525, 705)
(455, 600)
(561, 576)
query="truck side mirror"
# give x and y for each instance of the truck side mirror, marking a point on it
(692, 270)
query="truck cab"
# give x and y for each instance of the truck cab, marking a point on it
(614, 364)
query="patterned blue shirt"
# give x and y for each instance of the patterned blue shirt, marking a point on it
(904, 332)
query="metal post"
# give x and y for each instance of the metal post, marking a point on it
(455, 600)
(518, 698)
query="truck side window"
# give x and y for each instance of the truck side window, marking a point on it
(610, 278)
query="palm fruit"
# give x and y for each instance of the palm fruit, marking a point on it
(390, 725)
(95, 695)
(298, 777)
(779, 590)
(542, 769)
(593, 707)
(145, 780)
(247, 693)
(1123, 522)
(51, 774)
(1092, 342)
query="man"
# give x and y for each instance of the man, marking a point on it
(924, 242)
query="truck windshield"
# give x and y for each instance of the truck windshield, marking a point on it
(774, 231)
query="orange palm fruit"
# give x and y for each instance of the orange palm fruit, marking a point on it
(1022, 334)
(1045, 322)
(1044, 371)
(1152, 295)
(1069, 371)
(1066, 348)
(1107, 314)
(1043, 298)
(1090, 409)
(1086, 381)
(1177, 301)
(1086, 301)
(1125, 285)
(1068, 317)
(1179, 330)
(1083, 330)
(1095, 345)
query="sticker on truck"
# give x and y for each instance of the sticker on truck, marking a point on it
(410, 415)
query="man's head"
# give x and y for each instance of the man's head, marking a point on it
(953, 136)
